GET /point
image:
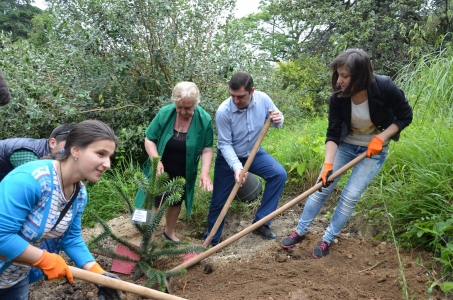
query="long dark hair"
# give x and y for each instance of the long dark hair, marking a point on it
(85, 133)
(358, 65)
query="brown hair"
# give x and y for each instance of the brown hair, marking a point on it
(85, 133)
(241, 79)
(358, 65)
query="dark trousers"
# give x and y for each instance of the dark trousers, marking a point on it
(265, 166)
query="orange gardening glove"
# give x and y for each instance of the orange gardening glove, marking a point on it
(326, 172)
(374, 147)
(54, 266)
(96, 268)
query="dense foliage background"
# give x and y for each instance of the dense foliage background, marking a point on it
(117, 60)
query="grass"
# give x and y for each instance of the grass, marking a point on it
(299, 147)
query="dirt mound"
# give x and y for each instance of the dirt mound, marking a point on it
(254, 268)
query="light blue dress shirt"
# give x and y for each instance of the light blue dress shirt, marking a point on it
(238, 129)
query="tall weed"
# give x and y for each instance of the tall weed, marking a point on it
(416, 182)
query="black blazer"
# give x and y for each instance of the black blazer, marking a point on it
(387, 105)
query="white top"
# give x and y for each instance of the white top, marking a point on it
(362, 130)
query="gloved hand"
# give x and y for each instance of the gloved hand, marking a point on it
(105, 293)
(374, 147)
(326, 172)
(54, 267)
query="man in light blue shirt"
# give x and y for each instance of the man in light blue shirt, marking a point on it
(239, 121)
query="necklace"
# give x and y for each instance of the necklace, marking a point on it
(62, 182)
(182, 127)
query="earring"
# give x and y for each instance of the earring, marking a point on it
(75, 158)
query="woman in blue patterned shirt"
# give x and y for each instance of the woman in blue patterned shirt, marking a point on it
(34, 224)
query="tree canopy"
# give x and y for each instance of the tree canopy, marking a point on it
(16, 17)
(118, 60)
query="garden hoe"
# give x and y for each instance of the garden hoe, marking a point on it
(115, 283)
(269, 217)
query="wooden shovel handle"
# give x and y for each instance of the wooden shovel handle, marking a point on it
(272, 215)
(120, 285)
(236, 187)
(114, 283)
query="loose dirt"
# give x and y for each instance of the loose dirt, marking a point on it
(254, 268)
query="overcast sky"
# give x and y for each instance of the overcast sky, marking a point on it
(244, 7)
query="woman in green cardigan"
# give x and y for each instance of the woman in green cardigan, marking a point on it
(181, 134)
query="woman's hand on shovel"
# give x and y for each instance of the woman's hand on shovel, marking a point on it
(105, 293)
(324, 178)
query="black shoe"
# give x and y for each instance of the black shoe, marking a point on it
(265, 232)
(165, 236)
(292, 240)
(321, 250)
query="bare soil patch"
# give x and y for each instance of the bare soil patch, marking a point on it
(254, 268)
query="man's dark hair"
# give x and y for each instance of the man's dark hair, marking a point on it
(358, 65)
(241, 79)
(5, 96)
(61, 132)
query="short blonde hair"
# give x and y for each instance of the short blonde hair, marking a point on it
(186, 89)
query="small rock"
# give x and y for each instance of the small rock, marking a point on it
(69, 290)
(335, 241)
(375, 243)
(90, 295)
(382, 279)
(280, 258)
(208, 268)
(349, 256)
(369, 263)
(243, 224)
(290, 250)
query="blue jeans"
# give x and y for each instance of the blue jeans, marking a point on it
(263, 165)
(360, 178)
(19, 291)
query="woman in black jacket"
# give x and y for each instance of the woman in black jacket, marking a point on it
(366, 111)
